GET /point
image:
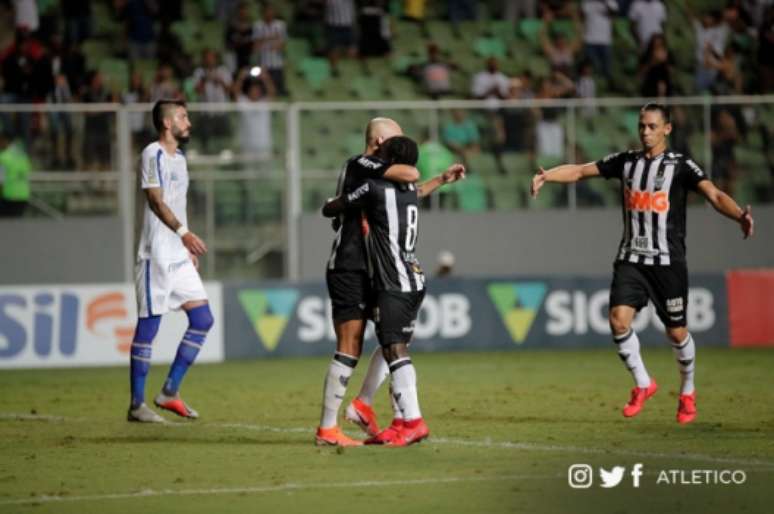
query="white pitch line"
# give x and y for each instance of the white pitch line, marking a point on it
(486, 443)
(18, 416)
(292, 486)
(602, 451)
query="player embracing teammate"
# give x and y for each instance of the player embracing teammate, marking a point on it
(377, 228)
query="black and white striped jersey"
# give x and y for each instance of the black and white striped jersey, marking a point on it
(348, 252)
(653, 195)
(393, 220)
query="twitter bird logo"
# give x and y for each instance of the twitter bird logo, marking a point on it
(611, 478)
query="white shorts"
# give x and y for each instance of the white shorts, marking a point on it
(162, 287)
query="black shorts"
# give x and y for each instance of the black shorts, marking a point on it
(395, 315)
(665, 286)
(350, 293)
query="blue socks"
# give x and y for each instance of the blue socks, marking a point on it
(141, 356)
(199, 323)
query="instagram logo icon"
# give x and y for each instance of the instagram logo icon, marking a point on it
(580, 476)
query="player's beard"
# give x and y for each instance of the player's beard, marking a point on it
(181, 137)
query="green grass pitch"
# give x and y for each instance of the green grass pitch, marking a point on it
(505, 428)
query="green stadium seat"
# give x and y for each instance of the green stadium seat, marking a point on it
(95, 50)
(316, 71)
(471, 194)
(486, 47)
(482, 163)
(115, 73)
(296, 49)
(530, 30)
(504, 30)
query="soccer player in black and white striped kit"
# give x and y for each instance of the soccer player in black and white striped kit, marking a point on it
(650, 262)
(398, 281)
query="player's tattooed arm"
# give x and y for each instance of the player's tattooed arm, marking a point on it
(156, 203)
(452, 174)
(727, 206)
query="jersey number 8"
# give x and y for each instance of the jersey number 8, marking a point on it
(412, 219)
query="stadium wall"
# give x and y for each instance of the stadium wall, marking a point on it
(546, 242)
(72, 250)
(89, 250)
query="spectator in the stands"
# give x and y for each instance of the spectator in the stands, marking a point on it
(648, 18)
(27, 17)
(461, 134)
(77, 19)
(490, 82)
(598, 34)
(139, 16)
(514, 10)
(239, 35)
(212, 82)
(514, 128)
(61, 125)
(435, 74)
(98, 134)
(766, 52)
(729, 76)
(68, 59)
(340, 31)
(169, 11)
(415, 10)
(711, 33)
(252, 92)
(165, 85)
(549, 132)
(14, 176)
(724, 137)
(137, 93)
(461, 10)
(655, 72)
(586, 88)
(559, 50)
(270, 37)
(374, 28)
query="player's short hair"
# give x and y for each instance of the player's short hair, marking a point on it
(663, 109)
(399, 150)
(161, 110)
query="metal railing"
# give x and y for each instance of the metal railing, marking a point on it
(249, 205)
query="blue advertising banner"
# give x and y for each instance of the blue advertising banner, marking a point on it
(266, 319)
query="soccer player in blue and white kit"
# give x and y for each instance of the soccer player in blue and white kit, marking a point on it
(167, 260)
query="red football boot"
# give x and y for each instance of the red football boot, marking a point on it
(639, 395)
(686, 408)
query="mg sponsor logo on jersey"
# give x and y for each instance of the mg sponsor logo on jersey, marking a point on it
(269, 311)
(518, 304)
(646, 201)
(61, 326)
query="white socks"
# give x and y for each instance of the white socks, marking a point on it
(340, 369)
(629, 352)
(404, 388)
(377, 372)
(685, 353)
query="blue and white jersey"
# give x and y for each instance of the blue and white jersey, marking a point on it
(170, 173)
